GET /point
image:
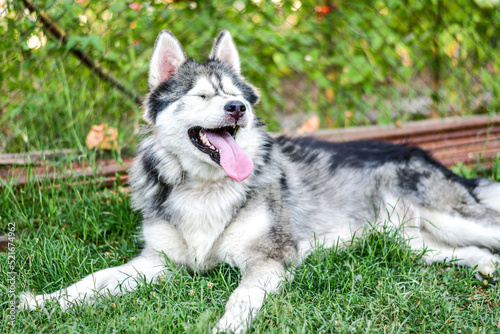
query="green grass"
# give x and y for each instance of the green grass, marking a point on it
(73, 230)
(58, 110)
(54, 101)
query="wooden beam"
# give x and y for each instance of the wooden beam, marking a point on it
(466, 139)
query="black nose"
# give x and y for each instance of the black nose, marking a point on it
(235, 109)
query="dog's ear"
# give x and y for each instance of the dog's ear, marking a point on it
(225, 50)
(167, 56)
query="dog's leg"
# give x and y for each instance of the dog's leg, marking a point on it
(451, 238)
(148, 266)
(247, 299)
(435, 240)
(479, 226)
(161, 238)
(471, 256)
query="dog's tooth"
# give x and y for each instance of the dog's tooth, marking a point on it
(204, 139)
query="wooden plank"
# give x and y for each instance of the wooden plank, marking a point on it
(418, 129)
(32, 158)
(466, 139)
(106, 168)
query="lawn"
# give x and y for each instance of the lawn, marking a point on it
(355, 63)
(68, 230)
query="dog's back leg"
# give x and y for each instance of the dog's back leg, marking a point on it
(455, 211)
(459, 219)
(470, 256)
(449, 237)
(466, 234)
(148, 266)
(463, 238)
(474, 227)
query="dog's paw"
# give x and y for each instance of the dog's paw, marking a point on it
(489, 268)
(28, 301)
(230, 324)
(226, 325)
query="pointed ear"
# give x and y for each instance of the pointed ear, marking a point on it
(225, 50)
(167, 57)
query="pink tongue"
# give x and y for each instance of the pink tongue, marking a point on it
(233, 160)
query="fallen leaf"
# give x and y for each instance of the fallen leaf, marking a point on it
(311, 125)
(102, 136)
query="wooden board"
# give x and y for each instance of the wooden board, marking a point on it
(452, 140)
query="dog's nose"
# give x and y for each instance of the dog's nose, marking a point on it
(235, 109)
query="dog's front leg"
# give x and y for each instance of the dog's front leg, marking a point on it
(147, 266)
(244, 303)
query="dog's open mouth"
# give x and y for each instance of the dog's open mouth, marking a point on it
(199, 139)
(221, 147)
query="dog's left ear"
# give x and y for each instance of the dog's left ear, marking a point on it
(225, 50)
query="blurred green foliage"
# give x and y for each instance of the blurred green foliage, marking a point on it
(350, 62)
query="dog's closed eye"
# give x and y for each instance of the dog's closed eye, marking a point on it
(204, 96)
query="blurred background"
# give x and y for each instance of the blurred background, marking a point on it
(68, 64)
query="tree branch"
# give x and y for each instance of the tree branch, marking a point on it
(56, 32)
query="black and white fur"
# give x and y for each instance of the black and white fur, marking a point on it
(300, 193)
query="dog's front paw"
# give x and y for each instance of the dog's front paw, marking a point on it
(228, 325)
(236, 319)
(28, 301)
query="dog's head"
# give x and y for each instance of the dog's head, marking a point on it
(202, 112)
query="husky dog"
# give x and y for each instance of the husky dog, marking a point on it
(212, 186)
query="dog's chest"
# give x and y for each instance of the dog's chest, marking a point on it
(203, 212)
